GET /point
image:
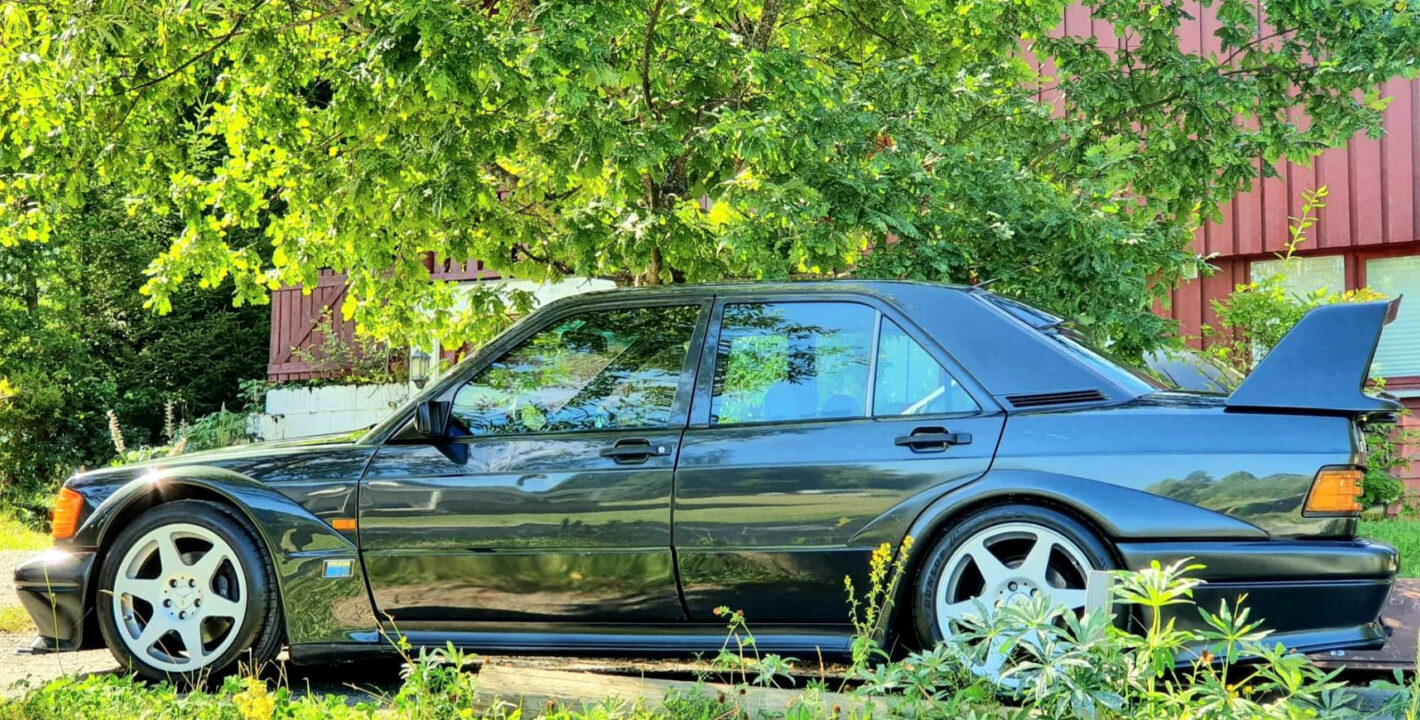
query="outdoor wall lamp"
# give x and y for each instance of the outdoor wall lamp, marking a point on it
(419, 362)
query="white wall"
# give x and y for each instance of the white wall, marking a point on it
(300, 411)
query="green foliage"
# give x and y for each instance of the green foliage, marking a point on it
(75, 343)
(358, 361)
(661, 142)
(1065, 666)
(1402, 532)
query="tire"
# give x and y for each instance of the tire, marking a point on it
(157, 575)
(947, 583)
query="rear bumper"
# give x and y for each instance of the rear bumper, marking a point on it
(53, 587)
(1313, 595)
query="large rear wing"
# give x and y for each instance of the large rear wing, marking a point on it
(1322, 364)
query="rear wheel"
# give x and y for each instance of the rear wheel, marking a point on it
(999, 555)
(186, 592)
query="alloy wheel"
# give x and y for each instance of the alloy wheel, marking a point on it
(179, 597)
(1005, 563)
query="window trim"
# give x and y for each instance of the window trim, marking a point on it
(1361, 259)
(705, 381)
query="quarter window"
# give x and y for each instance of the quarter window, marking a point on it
(603, 370)
(780, 362)
(911, 382)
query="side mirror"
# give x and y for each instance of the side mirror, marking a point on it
(431, 418)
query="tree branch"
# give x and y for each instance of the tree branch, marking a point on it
(236, 28)
(646, 50)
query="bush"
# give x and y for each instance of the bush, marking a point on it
(76, 342)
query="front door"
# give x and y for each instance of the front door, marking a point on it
(554, 501)
(819, 428)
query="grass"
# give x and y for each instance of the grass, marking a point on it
(1403, 533)
(14, 619)
(15, 536)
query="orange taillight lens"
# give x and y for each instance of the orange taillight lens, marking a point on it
(64, 519)
(1335, 490)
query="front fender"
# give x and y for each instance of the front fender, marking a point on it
(316, 608)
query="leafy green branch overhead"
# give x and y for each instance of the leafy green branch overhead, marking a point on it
(662, 141)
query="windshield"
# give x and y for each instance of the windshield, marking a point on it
(1126, 377)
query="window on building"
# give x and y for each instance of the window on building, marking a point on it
(1399, 351)
(1302, 276)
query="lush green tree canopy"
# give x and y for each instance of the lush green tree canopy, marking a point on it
(658, 141)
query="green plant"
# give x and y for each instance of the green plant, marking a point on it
(359, 360)
(745, 656)
(885, 573)
(1061, 665)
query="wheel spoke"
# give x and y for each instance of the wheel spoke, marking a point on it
(215, 605)
(157, 627)
(150, 591)
(168, 554)
(991, 568)
(191, 632)
(958, 610)
(1070, 598)
(207, 566)
(1036, 566)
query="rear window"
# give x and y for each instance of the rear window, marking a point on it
(1134, 381)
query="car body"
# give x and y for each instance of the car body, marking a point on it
(618, 465)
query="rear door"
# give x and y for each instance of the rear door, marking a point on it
(820, 426)
(555, 503)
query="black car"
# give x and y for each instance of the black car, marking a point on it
(618, 465)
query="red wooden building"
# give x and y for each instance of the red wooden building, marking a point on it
(301, 321)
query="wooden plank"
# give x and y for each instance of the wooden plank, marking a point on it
(1397, 164)
(1367, 190)
(534, 690)
(1274, 210)
(1333, 228)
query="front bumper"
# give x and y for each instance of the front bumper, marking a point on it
(53, 587)
(1313, 595)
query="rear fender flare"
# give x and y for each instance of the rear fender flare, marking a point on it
(317, 609)
(1114, 511)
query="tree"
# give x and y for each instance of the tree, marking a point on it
(76, 343)
(662, 142)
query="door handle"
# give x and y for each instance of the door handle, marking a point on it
(629, 451)
(932, 439)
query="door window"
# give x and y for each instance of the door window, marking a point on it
(911, 382)
(600, 370)
(779, 362)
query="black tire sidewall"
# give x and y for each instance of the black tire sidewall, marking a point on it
(252, 639)
(924, 613)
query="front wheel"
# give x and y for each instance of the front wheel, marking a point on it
(998, 555)
(185, 592)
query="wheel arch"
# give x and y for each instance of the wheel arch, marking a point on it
(297, 542)
(1113, 512)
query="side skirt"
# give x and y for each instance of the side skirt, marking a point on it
(803, 642)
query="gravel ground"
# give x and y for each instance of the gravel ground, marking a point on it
(19, 671)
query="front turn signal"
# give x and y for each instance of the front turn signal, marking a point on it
(64, 519)
(1335, 491)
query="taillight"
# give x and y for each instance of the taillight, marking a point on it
(64, 519)
(1335, 491)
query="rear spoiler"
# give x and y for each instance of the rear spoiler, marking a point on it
(1322, 364)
